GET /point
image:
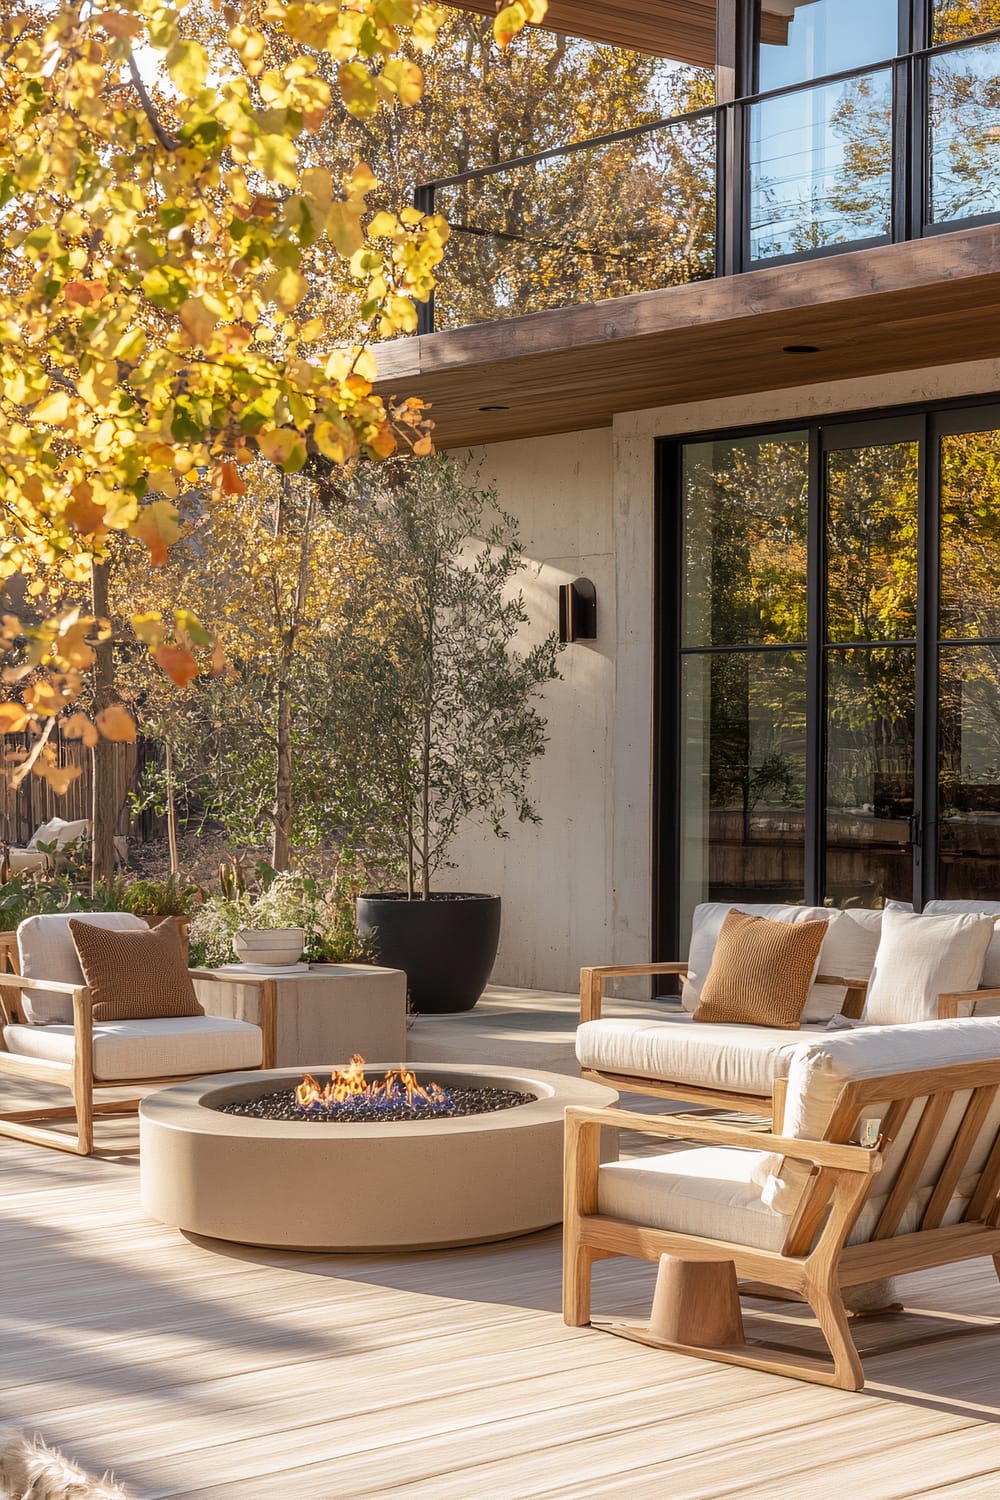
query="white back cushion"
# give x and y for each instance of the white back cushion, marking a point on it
(991, 968)
(47, 951)
(848, 950)
(59, 831)
(820, 1069)
(922, 957)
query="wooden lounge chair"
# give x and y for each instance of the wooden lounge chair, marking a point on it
(804, 1210)
(49, 1036)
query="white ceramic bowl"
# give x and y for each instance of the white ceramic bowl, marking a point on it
(272, 949)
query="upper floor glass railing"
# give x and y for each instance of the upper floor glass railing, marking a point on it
(894, 151)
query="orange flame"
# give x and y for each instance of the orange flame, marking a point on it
(398, 1085)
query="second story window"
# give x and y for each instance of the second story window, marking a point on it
(805, 39)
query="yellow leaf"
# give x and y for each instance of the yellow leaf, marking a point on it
(343, 225)
(189, 624)
(197, 320)
(59, 778)
(53, 408)
(276, 157)
(404, 78)
(286, 287)
(116, 723)
(13, 718)
(150, 628)
(358, 90)
(179, 665)
(283, 446)
(117, 24)
(79, 727)
(187, 64)
(423, 446)
(157, 526)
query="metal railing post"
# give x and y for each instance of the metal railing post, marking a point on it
(423, 202)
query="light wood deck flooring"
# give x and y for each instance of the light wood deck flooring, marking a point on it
(210, 1370)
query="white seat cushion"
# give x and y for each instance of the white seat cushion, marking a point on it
(47, 951)
(26, 861)
(712, 1192)
(168, 1047)
(708, 1191)
(739, 1059)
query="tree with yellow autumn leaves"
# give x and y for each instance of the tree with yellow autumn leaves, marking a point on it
(158, 231)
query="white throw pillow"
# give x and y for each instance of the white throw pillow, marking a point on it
(991, 968)
(848, 950)
(922, 957)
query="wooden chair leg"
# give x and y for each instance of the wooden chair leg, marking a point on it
(83, 1078)
(578, 1266)
(828, 1306)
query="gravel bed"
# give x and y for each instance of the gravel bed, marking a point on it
(281, 1105)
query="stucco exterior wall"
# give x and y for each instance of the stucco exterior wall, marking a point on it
(553, 876)
(576, 889)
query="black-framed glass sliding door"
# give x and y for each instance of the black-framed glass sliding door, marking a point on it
(830, 666)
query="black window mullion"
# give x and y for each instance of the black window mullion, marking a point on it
(815, 798)
(927, 727)
(668, 544)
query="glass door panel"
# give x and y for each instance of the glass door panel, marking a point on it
(970, 535)
(871, 542)
(870, 694)
(969, 772)
(746, 516)
(743, 768)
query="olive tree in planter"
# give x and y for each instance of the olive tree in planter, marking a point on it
(445, 709)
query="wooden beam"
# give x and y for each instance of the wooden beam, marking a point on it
(683, 30)
(928, 302)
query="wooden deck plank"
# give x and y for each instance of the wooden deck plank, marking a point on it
(229, 1373)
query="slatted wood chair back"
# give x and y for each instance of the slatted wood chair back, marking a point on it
(940, 1140)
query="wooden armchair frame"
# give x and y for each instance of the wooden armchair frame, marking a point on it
(78, 1076)
(815, 1262)
(592, 987)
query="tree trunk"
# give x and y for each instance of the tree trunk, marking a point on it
(281, 832)
(171, 810)
(104, 808)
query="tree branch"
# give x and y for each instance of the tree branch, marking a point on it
(167, 141)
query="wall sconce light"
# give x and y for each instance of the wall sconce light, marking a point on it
(577, 611)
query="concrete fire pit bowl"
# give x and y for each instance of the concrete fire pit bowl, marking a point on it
(388, 1185)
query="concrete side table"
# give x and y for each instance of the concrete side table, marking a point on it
(323, 1017)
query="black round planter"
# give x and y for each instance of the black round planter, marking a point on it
(445, 945)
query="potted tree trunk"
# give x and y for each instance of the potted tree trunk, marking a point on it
(445, 706)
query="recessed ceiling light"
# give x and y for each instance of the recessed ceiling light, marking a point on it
(800, 349)
(494, 408)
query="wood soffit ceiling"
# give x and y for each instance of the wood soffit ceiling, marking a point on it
(898, 307)
(680, 29)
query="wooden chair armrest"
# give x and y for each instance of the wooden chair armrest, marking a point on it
(947, 1005)
(718, 1133)
(592, 982)
(47, 986)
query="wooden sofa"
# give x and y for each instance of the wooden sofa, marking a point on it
(725, 1066)
(804, 1210)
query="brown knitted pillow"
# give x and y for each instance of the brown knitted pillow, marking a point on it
(134, 976)
(761, 971)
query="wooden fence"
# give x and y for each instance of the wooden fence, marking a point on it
(35, 802)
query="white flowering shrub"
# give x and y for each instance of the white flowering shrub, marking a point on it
(323, 910)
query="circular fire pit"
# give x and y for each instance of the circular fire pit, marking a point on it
(393, 1184)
